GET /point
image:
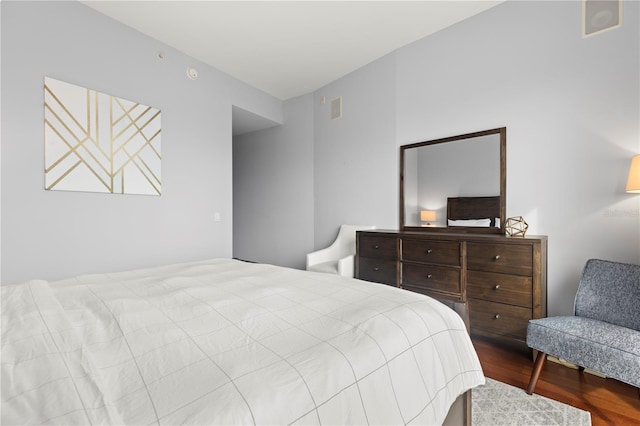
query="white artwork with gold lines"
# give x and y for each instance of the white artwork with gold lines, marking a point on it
(96, 142)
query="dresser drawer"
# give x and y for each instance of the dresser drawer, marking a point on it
(377, 246)
(502, 288)
(378, 270)
(440, 252)
(428, 277)
(504, 258)
(499, 318)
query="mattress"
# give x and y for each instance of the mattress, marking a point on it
(222, 341)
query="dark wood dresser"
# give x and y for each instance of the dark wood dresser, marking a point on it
(502, 279)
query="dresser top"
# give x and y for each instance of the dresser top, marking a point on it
(468, 236)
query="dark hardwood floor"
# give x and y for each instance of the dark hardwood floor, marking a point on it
(609, 401)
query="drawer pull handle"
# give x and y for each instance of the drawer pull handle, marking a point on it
(497, 316)
(497, 286)
(376, 247)
(376, 269)
(429, 251)
(429, 276)
(496, 257)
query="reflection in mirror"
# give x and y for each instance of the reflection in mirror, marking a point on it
(466, 170)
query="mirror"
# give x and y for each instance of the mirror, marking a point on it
(455, 184)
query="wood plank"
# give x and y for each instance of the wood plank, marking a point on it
(609, 401)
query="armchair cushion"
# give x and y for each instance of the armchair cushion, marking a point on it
(600, 346)
(604, 333)
(330, 267)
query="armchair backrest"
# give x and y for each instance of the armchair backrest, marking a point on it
(610, 292)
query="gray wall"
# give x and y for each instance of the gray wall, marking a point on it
(272, 189)
(570, 105)
(571, 110)
(355, 157)
(294, 185)
(54, 234)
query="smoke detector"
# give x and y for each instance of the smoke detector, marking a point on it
(192, 73)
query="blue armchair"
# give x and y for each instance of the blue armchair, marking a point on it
(604, 333)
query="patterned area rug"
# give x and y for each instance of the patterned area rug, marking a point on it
(497, 403)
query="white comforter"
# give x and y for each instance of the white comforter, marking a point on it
(227, 342)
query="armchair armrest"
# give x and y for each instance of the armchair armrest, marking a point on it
(339, 256)
(323, 255)
(346, 266)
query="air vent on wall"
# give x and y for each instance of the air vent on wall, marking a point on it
(600, 15)
(336, 108)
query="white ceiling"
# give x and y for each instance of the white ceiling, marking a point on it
(288, 48)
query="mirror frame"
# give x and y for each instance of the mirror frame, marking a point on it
(502, 132)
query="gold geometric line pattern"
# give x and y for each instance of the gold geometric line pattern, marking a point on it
(69, 170)
(73, 149)
(101, 143)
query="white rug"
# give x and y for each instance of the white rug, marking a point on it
(497, 403)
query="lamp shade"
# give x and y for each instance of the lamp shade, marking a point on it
(428, 215)
(633, 182)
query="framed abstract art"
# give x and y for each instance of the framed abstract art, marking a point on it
(96, 142)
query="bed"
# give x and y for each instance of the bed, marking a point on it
(223, 341)
(474, 212)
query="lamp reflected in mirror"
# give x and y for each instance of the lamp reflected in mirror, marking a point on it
(633, 181)
(428, 216)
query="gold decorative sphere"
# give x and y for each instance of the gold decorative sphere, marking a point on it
(516, 226)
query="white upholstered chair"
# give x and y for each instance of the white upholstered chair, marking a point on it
(339, 257)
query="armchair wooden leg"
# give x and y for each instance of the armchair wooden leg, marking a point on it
(535, 373)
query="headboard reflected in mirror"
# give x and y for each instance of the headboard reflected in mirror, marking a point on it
(461, 180)
(477, 212)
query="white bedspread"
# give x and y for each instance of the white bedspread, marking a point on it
(228, 342)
